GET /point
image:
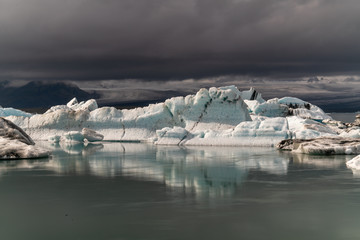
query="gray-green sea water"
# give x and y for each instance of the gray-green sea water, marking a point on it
(141, 191)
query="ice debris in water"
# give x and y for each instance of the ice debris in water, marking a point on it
(16, 144)
(77, 136)
(322, 146)
(10, 131)
(354, 164)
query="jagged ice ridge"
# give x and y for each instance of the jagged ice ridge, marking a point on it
(215, 116)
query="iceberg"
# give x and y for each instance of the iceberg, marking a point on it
(86, 134)
(91, 135)
(14, 149)
(322, 145)
(215, 116)
(16, 144)
(73, 104)
(354, 164)
(9, 131)
(215, 108)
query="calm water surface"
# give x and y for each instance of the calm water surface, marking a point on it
(141, 191)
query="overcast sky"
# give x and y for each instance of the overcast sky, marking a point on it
(177, 39)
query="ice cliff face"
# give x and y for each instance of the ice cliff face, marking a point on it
(215, 116)
(216, 108)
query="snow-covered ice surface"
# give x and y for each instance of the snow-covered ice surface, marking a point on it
(86, 134)
(215, 116)
(16, 144)
(5, 112)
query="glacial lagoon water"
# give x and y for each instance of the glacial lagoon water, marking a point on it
(141, 191)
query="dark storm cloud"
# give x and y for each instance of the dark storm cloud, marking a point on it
(163, 39)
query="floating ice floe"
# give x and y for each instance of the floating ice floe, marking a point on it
(322, 145)
(9, 131)
(354, 164)
(16, 144)
(77, 136)
(14, 149)
(91, 135)
(215, 116)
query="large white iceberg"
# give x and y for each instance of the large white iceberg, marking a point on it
(216, 109)
(215, 116)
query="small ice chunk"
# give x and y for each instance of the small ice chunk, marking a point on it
(354, 163)
(349, 150)
(252, 95)
(90, 105)
(322, 146)
(91, 135)
(14, 149)
(73, 136)
(72, 102)
(16, 144)
(11, 131)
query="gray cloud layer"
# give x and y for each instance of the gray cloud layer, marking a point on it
(163, 39)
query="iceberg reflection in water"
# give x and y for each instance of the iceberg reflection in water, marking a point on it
(142, 191)
(209, 171)
(200, 170)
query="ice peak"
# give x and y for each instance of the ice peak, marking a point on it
(227, 93)
(72, 102)
(89, 105)
(252, 94)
